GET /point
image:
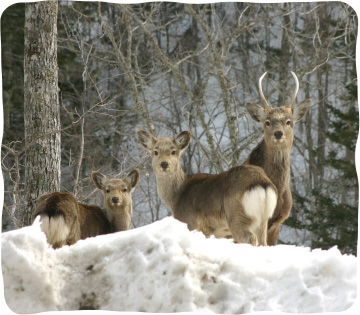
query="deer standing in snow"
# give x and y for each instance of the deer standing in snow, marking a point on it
(236, 203)
(65, 221)
(272, 154)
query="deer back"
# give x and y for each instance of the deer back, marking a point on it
(92, 221)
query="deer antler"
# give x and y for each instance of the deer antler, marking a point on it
(266, 104)
(296, 90)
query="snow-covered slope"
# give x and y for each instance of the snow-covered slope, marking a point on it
(163, 267)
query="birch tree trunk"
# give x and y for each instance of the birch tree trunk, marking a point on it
(41, 103)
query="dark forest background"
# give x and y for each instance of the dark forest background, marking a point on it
(167, 67)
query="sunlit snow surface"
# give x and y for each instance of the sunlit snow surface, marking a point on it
(163, 267)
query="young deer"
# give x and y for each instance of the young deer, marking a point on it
(272, 154)
(235, 203)
(65, 221)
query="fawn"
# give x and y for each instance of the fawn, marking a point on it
(65, 221)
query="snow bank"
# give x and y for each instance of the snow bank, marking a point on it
(163, 267)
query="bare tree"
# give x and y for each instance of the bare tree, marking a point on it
(169, 67)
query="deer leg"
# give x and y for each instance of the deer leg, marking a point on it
(262, 233)
(273, 233)
(239, 225)
(274, 229)
(281, 213)
(247, 237)
(207, 231)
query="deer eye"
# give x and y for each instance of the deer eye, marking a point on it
(124, 190)
(107, 190)
(173, 152)
(156, 152)
(288, 122)
(267, 123)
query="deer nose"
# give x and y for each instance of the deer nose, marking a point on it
(115, 199)
(278, 134)
(164, 165)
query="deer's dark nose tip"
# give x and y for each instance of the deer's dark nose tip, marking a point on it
(164, 165)
(278, 134)
(115, 199)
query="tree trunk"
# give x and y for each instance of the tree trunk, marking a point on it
(41, 103)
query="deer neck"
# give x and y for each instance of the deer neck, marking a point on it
(169, 186)
(277, 166)
(120, 219)
(275, 162)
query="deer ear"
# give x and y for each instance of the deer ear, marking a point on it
(146, 139)
(256, 111)
(182, 140)
(98, 179)
(133, 178)
(300, 110)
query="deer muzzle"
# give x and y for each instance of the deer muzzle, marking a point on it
(278, 134)
(164, 165)
(278, 137)
(115, 201)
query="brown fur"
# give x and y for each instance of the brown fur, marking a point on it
(119, 213)
(65, 220)
(273, 155)
(212, 204)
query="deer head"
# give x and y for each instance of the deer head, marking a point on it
(165, 152)
(117, 192)
(278, 123)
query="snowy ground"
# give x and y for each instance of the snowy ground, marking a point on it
(163, 267)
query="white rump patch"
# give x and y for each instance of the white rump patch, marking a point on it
(56, 230)
(259, 202)
(254, 202)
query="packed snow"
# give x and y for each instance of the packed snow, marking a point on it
(163, 267)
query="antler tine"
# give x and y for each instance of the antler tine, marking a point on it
(261, 91)
(296, 90)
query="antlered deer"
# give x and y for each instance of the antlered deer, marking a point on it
(235, 203)
(65, 221)
(272, 154)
